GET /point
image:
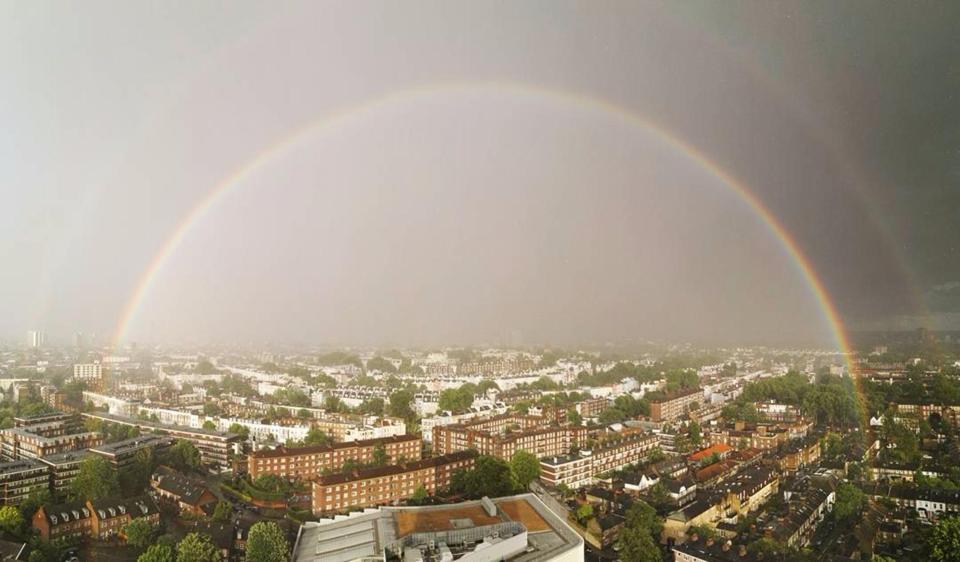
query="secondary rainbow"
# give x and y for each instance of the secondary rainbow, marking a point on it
(331, 120)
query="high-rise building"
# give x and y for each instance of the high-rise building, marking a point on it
(36, 338)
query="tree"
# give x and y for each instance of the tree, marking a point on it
(139, 532)
(643, 516)
(525, 467)
(10, 519)
(944, 540)
(266, 543)
(695, 436)
(485, 385)
(638, 546)
(574, 417)
(183, 455)
(96, 479)
(316, 436)
(372, 406)
(332, 403)
(197, 547)
(640, 535)
(584, 513)
(490, 477)
(241, 430)
(400, 405)
(209, 425)
(419, 496)
(849, 503)
(378, 363)
(222, 511)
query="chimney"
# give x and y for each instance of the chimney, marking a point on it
(709, 541)
(742, 551)
(694, 537)
(726, 546)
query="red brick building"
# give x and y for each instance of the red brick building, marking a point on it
(309, 462)
(388, 484)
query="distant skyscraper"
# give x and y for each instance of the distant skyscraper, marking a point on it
(80, 340)
(36, 338)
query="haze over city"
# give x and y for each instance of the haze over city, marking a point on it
(459, 173)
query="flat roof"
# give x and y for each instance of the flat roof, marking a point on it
(283, 451)
(368, 533)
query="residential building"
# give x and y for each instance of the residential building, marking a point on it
(492, 437)
(123, 453)
(19, 479)
(388, 484)
(63, 468)
(591, 407)
(109, 516)
(63, 521)
(800, 453)
(580, 470)
(675, 406)
(309, 462)
(217, 448)
(90, 374)
(42, 436)
(187, 494)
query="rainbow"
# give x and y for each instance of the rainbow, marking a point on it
(340, 117)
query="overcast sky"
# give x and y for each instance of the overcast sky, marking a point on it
(485, 204)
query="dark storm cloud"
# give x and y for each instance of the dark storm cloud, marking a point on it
(842, 119)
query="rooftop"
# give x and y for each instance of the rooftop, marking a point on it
(462, 525)
(287, 451)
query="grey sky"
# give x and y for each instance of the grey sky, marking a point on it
(467, 215)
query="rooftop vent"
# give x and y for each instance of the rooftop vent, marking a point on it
(489, 506)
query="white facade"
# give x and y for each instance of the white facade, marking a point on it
(116, 406)
(88, 371)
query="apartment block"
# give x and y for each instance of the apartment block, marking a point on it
(309, 462)
(63, 468)
(591, 407)
(44, 438)
(123, 453)
(217, 448)
(674, 406)
(388, 484)
(19, 479)
(542, 442)
(580, 470)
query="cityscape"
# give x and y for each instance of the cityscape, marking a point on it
(479, 282)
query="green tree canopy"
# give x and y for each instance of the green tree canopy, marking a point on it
(525, 467)
(944, 540)
(266, 543)
(11, 520)
(197, 547)
(400, 405)
(96, 479)
(241, 430)
(139, 532)
(490, 477)
(222, 511)
(157, 553)
(849, 503)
